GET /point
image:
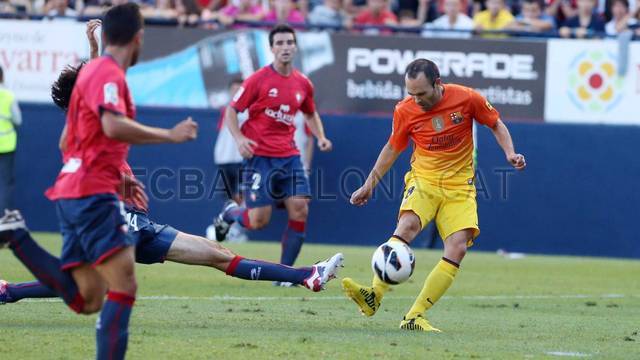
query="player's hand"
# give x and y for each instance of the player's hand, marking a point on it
(184, 131)
(246, 146)
(132, 191)
(517, 161)
(92, 25)
(325, 144)
(361, 196)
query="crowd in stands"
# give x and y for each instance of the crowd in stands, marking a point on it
(443, 18)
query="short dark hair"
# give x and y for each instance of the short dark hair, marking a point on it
(540, 3)
(281, 28)
(61, 89)
(236, 80)
(121, 24)
(623, 2)
(424, 66)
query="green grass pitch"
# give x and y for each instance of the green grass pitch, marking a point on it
(533, 308)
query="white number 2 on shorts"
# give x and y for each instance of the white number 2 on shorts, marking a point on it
(256, 181)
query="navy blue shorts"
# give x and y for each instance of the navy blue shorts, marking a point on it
(93, 228)
(153, 241)
(269, 180)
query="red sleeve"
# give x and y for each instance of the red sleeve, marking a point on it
(483, 111)
(308, 106)
(247, 94)
(399, 138)
(110, 95)
(221, 119)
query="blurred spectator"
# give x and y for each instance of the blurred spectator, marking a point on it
(243, 10)
(532, 18)
(407, 18)
(621, 18)
(585, 22)
(453, 19)
(376, 13)
(57, 8)
(420, 10)
(441, 7)
(163, 9)
(496, 17)
(329, 13)
(188, 12)
(561, 10)
(284, 11)
(6, 7)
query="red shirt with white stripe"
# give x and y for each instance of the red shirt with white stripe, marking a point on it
(92, 161)
(273, 101)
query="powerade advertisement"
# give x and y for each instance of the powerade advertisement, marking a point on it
(351, 73)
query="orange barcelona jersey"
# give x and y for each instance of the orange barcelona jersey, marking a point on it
(442, 136)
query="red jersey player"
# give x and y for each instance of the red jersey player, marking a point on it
(97, 253)
(272, 171)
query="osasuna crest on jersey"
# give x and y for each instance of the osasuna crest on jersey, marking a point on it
(111, 93)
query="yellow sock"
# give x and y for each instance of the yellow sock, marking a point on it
(434, 287)
(379, 287)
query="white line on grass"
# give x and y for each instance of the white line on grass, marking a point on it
(334, 298)
(564, 353)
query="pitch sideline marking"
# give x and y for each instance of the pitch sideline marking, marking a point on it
(333, 298)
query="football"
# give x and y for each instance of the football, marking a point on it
(393, 262)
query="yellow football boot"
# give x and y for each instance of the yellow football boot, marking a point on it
(364, 297)
(417, 323)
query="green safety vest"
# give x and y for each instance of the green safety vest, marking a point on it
(8, 137)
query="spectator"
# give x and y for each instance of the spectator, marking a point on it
(422, 11)
(453, 19)
(621, 18)
(585, 22)
(188, 12)
(6, 7)
(242, 10)
(163, 9)
(561, 10)
(284, 12)
(59, 8)
(10, 118)
(532, 18)
(376, 13)
(329, 13)
(496, 17)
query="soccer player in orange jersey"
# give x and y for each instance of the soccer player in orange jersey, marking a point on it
(440, 186)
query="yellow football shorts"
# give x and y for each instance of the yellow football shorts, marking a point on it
(453, 210)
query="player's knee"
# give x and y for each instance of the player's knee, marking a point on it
(300, 212)
(259, 222)
(408, 228)
(92, 304)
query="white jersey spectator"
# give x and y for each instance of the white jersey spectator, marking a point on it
(453, 19)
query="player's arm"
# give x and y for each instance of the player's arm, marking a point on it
(245, 145)
(92, 25)
(503, 137)
(119, 127)
(385, 160)
(317, 129)
(308, 153)
(62, 143)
